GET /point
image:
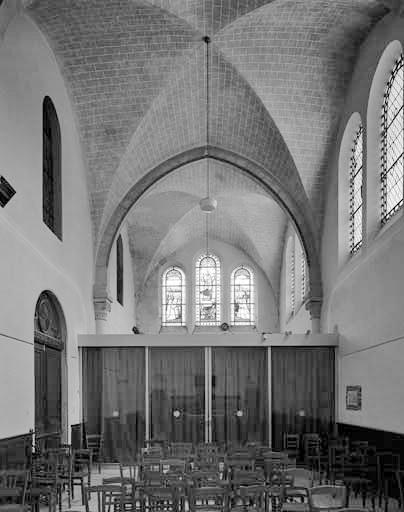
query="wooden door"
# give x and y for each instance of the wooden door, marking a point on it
(48, 387)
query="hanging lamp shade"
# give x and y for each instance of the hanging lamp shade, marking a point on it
(208, 204)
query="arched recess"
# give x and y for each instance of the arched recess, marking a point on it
(296, 209)
(50, 365)
(373, 136)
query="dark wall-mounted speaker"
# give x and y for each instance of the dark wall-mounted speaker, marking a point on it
(6, 191)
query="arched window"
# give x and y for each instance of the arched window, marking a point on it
(51, 169)
(119, 270)
(207, 290)
(292, 281)
(242, 296)
(355, 192)
(392, 143)
(304, 276)
(173, 297)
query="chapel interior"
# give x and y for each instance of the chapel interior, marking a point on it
(202, 246)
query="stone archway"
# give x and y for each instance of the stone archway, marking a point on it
(296, 208)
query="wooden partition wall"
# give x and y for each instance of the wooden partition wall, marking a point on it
(303, 384)
(221, 394)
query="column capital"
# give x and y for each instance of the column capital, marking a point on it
(102, 302)
(314, 304)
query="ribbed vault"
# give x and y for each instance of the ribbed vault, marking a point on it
(136, 73)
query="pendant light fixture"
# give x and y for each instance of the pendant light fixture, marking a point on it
(207, 204)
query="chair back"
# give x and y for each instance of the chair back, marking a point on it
(173, 465)
(208, 499)
(180, 450)
(299, 477)
(327, 497)
(13, 486)
(400, 482)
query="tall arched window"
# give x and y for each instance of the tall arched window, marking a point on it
(242, 297)
(304, 275)
(173, 297)
(119, 270)
(292, 281)
(392, 143)
(207, 290)
(355, 192)
(51, 169)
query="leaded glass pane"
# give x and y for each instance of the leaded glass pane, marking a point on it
(173, 294)
(207, 290)
(292, 282)
(242, 305)
(393, 143)
(304, 275)
(356, 191)
(51, 169)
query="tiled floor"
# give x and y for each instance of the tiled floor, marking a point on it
(113, 470)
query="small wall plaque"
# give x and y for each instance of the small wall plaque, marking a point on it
(354, 398)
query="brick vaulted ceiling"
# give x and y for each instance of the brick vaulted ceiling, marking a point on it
(136, 73)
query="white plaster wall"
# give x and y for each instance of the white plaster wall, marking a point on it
(149, 299)
(33, 258)
(121, 319)
(363, 294)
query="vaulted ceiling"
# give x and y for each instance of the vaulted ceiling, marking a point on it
(136, 73)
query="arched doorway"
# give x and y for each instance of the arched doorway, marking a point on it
(49, 336)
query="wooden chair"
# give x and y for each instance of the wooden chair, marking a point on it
(180, 450)
(400, 483)
(173, 465)
(296, 483)
(327, 497)
(45, 484)
(250, 497)
(388, 463)
(13, 489)
(108, 498)
(206, 479)
(312, 452)
(208, 499)
(159, 499)
(291, 445)
(95, 443)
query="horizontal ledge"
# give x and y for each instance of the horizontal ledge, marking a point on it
(225, 339)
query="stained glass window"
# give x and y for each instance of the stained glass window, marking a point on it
(51, 169)
(355, 187)
(242, 296)
(304, 276)
(207, 290)
(119, 270)
(392, 143)
(292, 281)
(173, 297)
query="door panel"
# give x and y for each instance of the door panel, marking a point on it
(302, 391)
(40, 395)
(53, 389)
(48, 385)
(239, 395)
(177, 394)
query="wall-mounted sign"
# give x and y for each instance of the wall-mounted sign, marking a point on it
(354, 398)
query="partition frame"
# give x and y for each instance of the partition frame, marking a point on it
(233, 341)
